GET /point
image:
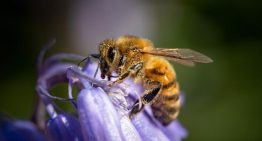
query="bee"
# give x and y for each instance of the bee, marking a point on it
(135, 57)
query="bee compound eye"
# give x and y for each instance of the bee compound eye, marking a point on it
(111, 54)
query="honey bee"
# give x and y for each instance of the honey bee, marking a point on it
(135, 57)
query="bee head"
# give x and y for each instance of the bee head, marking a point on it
(107, 55)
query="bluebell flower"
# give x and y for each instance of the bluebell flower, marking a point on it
(101, 112)
(107, 108)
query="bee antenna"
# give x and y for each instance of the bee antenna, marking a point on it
(95, 56)
(96, 69)
(78, 64)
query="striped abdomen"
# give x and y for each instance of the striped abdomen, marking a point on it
(166, 105)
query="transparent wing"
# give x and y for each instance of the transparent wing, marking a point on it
(180, 55)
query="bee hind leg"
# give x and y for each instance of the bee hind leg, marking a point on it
(146, 98)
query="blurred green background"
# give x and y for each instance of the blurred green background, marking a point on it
(222, 98)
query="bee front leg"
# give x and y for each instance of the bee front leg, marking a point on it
(132, 70)
(146, 98)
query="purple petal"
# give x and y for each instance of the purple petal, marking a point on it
(129, 131)
(182, 98)
(90, 69)
(58, 58)
(174, 131)
(126, 127)
(147, 129)
(20, 131)
(64, 127)
(98, 118)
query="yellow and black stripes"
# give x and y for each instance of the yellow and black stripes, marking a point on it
(167, 104)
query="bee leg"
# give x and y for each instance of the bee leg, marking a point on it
(132, 70)
(146, 98)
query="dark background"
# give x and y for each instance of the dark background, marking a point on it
(222, 99)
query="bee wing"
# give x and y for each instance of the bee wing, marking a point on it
(183, 56)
